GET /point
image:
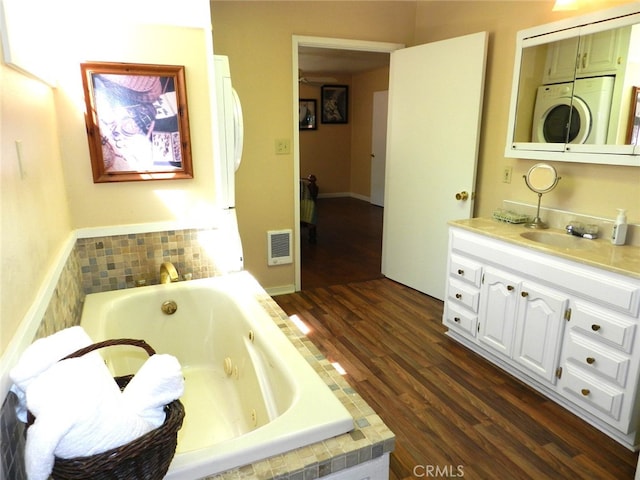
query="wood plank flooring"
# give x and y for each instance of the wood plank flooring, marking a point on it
(454, 414)
(348, 245)
(451, 410)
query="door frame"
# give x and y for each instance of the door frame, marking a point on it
(317, 42)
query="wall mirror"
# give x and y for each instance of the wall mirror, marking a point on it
(573, 89)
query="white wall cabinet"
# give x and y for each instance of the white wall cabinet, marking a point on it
(601, 53)
(566, 329)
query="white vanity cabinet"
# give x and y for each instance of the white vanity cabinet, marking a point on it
(567, 329)
(463, 294)
(599, 364)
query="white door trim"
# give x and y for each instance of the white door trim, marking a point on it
(318, 42)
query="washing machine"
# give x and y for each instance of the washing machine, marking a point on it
(573, 112)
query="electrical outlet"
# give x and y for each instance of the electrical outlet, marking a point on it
(506, 175)
(283, 146)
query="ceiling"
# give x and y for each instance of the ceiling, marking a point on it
(330, 60)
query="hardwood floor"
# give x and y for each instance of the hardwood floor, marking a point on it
(449, 408)
(348, 245)
(454, 414)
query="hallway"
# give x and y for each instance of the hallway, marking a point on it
(349, 244)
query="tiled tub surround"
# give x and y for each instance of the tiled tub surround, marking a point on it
(112, 262)
(119, 261)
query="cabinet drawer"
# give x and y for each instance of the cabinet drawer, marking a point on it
(460, 318)
(597, 359)
(592, 394)
(464, 293)
(465, 269)
(606, 327)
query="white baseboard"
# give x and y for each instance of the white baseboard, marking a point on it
(281, 290)
(344, 194)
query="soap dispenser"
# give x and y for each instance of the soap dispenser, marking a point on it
(619, 232)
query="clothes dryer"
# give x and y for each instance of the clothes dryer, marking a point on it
(573, 112)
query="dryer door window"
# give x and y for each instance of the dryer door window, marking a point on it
(567, 121)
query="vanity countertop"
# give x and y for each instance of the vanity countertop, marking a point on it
(599, 253)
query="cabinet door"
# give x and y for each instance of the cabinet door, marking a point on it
(561, 61)
(497, 310)
(595, 54)
(599, 53)
(539, 326)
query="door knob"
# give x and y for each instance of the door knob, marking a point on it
(462, 196)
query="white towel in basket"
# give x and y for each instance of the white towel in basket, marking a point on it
(39, 356)
(79, 412)
(158, 383)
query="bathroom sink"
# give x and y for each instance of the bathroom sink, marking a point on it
(560, 240)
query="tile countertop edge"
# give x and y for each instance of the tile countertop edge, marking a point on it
(620, 259)
(369, 439)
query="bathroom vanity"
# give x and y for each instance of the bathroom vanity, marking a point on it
(558, 312)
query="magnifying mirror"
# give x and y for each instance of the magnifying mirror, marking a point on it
(541, 178)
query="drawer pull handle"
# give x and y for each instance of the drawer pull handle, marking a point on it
(524, 294)
(458, 296)
(585, 391)
(510, 287)
(591, 360)
(460, 271)
(595, 327)
(456, 319)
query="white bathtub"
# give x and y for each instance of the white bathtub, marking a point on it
(271, 402)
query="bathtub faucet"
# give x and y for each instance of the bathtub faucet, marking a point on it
(168, 273)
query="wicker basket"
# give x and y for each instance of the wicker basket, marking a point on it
(145, 458)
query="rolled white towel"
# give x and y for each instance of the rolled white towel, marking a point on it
(158, 382)
(79, 411)
(39, 356)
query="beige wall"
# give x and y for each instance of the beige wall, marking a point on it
(257, 38)
(185, 201)
(340, 155)
(326, 151)
(53, 193)
(589, 189)
(35, 221)
(364, 85)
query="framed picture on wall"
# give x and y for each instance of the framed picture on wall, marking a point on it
(335, 103)
(307, 114)
(137, 122)
(633, 130)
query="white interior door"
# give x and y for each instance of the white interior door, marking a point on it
(435, 108)
(378, 146)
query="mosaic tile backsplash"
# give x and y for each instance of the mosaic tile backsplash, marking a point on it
(96, 265)
(117, 262)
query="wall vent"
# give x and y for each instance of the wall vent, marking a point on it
(279, 247)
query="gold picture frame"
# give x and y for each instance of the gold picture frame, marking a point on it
(137, 122)
(633, 128)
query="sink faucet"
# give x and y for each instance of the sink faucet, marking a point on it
(579, 230)
(168, 273)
